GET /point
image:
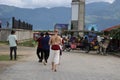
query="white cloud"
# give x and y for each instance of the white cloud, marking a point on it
(110, 1)
(12, 2)
(50, 3)
(43, 3)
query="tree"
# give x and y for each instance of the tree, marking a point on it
(116, 34)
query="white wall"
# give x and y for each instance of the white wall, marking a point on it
(75, 7)
(21, 34)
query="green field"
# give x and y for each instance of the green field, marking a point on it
(6, 57)
(28, 43)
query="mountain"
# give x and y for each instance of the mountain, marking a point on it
(40, 18)
(102, 14)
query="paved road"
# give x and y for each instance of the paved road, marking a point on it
(73, 66)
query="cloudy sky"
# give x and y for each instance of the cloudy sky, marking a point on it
(43, 3)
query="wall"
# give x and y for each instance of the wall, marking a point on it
(21, 34)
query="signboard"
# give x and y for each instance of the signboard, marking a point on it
(61, 27)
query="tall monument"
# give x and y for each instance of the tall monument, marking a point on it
(78, 15)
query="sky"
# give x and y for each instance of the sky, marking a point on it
(44, 3)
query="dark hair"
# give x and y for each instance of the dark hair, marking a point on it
(86, 38)
(12, 32)
(41, 34)
(46, 33)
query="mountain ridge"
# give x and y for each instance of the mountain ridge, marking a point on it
(41, 18)
(101, 13)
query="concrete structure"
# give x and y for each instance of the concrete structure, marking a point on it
(21, 34)
(78, 15)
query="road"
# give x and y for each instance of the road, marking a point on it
(74, 65)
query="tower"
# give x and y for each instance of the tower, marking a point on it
(78, 15)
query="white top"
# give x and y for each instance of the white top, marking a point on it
(12, 40)
(99, 39)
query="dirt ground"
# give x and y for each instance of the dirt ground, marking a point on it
(22, 51)
(74, 65)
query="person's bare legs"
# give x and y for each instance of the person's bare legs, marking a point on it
(55, 66)
(55, 61)
(52, 65)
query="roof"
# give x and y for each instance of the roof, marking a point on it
(111, 28)
(75, 0)
(81, 31)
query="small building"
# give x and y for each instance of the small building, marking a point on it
(114, 32)
(111, 28)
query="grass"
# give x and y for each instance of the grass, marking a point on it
(3, 42)
(4, 57)
(7, 58)
(29, 43)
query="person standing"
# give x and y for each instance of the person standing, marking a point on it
(46, 47)
(0, 24)
(12, 39)
(55, 42)
(86, 44)
(39, 48)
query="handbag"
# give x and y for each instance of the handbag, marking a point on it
(55, 47)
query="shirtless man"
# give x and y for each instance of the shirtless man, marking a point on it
(55, 42)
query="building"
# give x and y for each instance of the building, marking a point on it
(114, 32)
(111, 28)
(78, 15)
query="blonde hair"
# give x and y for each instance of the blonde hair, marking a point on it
(55, 30)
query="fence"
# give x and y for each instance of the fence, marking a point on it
(12, 22)
(18, 24)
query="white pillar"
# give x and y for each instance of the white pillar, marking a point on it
(78, 15)
(81, 16)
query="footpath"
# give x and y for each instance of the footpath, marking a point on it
(74, 65)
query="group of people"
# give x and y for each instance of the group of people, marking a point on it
(98, 43)
(43, 47)
(47, 45)
(87, 43)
